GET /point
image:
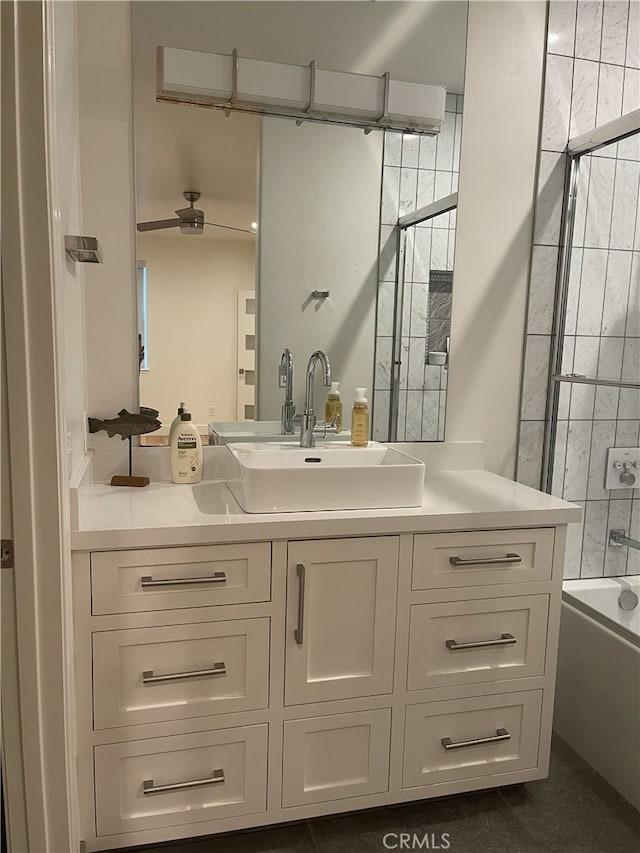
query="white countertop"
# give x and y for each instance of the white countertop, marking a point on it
(166, 514)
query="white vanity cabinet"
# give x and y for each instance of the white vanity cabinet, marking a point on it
(234, 685)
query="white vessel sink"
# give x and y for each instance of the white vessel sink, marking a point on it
(284, 477)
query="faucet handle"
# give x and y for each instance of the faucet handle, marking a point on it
(322, 427)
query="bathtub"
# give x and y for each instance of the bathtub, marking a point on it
(597, 708)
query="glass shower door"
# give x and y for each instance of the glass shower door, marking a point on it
(594, 393)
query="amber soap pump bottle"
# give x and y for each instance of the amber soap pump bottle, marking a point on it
(360, 419)
(333, 407)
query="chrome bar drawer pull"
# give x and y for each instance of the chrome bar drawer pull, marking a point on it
(147, 581)
(486, 561)
(500, 735)
(148, 786)
(299, 631)
(505, 640)
(149, 678)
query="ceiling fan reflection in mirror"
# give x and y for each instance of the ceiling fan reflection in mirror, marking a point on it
(190, 220)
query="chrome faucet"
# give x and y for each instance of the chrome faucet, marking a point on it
(285, 380)
(308, 422)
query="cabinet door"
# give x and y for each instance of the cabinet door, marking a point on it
(341, 609)
(336, 757)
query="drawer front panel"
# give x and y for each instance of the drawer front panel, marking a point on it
(471, 738)
(174, 781)
(174, 578)
(465, 642)
(336, 757)
(144, 675)
(482, 557)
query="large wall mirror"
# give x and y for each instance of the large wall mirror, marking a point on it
(309, 255)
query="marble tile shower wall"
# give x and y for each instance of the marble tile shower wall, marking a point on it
(592, 77)
(416, 172)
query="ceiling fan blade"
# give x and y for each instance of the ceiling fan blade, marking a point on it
(189, 213)
(158, 224)
(231, 228)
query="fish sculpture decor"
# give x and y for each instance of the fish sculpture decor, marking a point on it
(126, 425)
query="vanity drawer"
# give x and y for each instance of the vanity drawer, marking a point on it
(482, 557)
(176, 781)
(173, 578)
(336, 757)
(471, 738)
(466, 642)
(144, 675)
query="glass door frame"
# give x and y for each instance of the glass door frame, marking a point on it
(422, 214)
(587, 143)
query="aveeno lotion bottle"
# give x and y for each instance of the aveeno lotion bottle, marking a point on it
(186, 452)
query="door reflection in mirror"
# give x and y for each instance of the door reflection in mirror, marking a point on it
(409, 399)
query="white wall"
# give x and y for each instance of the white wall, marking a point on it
(421, 42)
(106, 146)
(505, 51)
(192, 286)
(319, 211)
(70, 278)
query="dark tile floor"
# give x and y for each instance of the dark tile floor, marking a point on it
(573, 810)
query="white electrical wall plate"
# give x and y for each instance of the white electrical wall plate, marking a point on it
(623, 468)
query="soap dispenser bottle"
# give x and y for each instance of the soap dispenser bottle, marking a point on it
(186, 452)
(175, 423)
(333, 407)
(360, 419)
